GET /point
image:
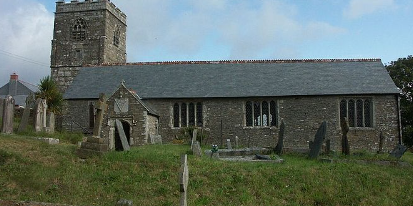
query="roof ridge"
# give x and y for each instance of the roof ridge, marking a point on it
(268, 61)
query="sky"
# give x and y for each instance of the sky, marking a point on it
(172, 30)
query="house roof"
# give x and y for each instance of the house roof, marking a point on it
(20, 92)
(236, 79)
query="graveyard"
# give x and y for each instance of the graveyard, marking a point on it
(36, 171)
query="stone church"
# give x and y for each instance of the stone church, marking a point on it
(247, 99)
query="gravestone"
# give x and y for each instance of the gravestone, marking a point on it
(315, 146)
(124, 202)
(280, 144)
(183, 180)
(196, 149)
(122, 136)
(381, 141)
(101, 108)
(236, 142)
(40, 115)
(398, 151)
(194, 134)
(30, 100)
(345, 147)
(50, 123)
(262, 157)
(229, 146)
(155, 139)
(328, 147)
(8, 115)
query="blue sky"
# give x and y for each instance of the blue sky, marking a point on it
(165, 30)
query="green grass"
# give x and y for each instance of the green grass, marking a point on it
(148, 175)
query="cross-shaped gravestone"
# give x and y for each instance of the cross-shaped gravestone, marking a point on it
(101, 108)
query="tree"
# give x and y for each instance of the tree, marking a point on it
(50, 92)
(401, 71)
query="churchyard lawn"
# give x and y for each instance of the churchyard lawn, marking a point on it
(148, 175)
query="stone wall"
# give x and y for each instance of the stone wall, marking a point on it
(68, 54)
(302, 117)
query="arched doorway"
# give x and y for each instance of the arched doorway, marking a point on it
(118, 142)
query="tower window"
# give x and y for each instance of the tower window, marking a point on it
(116, 36)
(79, 30)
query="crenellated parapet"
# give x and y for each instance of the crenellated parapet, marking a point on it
(89, 5)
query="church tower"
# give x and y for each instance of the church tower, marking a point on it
(88, 32)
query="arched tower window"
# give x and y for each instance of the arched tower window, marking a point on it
(79, 30)
(116, 36)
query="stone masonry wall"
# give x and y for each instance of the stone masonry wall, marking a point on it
(67, 55)
(302, 117)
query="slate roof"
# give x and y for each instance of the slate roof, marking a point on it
(20, 93)
(236, 79)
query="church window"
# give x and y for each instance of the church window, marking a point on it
(116, 36)
(188, 114)
(79, 30)
(248, 114)
(199, 117)
(176, 115)
(191, 114)
(261, 114)
(183, 115)
(358, 111)
(273, 114)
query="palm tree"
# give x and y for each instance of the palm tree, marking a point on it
(48, 90)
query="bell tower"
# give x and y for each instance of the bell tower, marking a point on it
(89, 32)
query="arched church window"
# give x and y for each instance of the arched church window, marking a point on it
(191, 114)
(79, 30)
(351, 113)
(116, 36)
(199, 117)
(176, 115)
(183, 115)
(343, 109)
(257, 114)
(367, 113)
(360, 113)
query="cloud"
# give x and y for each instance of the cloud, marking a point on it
(359, 8)
(247, 29)
(26, 30)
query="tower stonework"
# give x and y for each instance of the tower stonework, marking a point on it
(89, 32)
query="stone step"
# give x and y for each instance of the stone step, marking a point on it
(87, 153)
(95, 146)
(96, 140)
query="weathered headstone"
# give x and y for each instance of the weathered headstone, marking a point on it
(8, 115)
(345, 147)
(229, 146)
(50, 123)
(26, 114)
(1, 109)
(183, 180)
(196, 149)
(236, 142)
(40, 115)
(315, 146)
(328, 147)
(155, 139)
(280, 144)
(101, 108)
(122, 135)
(194, 134)
(398, 151)
(381, 141)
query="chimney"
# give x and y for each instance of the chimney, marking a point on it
(14, 76)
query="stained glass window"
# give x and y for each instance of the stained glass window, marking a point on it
(199, 117)
(176, 115)
(183, 115)
(79, 30)
(248, 114)
(191, 114)
(273, 113)
(351, 113)
(367, 113)
(257, 114)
